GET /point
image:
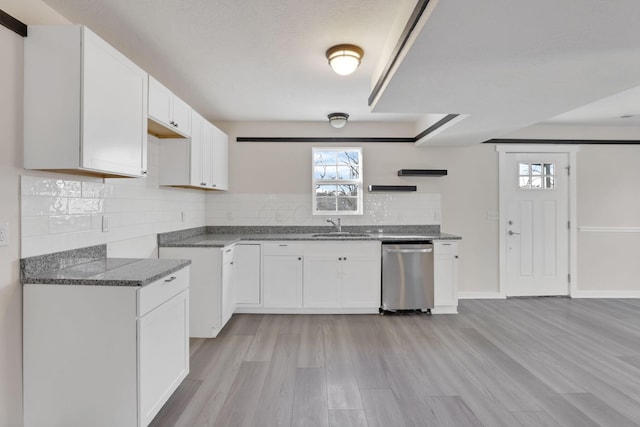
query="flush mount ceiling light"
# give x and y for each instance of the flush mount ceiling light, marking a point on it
(338, 120)
(344, 58)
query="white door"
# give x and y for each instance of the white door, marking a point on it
(536, 223)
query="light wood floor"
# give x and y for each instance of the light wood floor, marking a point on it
(517, 362)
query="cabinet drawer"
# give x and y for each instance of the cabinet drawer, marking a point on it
(445, 248)
(282, 248)
(154, 294)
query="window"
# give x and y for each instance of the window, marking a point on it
(536, 176)
(337, 181)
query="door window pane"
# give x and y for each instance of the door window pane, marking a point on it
(536, 176)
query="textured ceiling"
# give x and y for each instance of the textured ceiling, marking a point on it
(504, 65)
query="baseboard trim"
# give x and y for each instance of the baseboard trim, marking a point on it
(606, 294)
(480, 295)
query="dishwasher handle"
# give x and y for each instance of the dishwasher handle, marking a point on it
(408, 251)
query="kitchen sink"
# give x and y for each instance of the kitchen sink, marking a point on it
(340, 234)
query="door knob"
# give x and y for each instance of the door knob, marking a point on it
(511, 233)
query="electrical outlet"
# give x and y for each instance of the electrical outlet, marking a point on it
(4, 234)
(106, 223)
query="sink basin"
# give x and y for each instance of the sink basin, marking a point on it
(340, 234)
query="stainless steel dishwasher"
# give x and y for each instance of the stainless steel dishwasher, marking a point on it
(407, 276)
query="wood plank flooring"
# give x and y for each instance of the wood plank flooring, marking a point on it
(516, 362)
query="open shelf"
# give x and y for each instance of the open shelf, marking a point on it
(374, 188)
(422, 172)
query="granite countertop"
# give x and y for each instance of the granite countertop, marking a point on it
(78, 268)
(220, 240)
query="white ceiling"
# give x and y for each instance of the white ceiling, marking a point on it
(505, 64)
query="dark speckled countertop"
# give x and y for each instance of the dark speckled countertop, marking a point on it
(90, 266)
(224, 236)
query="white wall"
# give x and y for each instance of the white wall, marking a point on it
(61, 212)
(10, 288)
(609, 220)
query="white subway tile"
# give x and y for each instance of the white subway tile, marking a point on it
(35, 226)
(94, 190)
(85, 206)
(69, 223)
(35, 205)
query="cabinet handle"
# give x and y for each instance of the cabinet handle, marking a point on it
(299, 258)
(213, 185)
(144, 172)
(228, 250)
(203, 183)
(446, 244)
(170, 279)
(283, 246)
(344, 259)
(456, 256)
(339, 259)
(172, 123)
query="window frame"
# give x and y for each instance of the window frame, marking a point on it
(357, 182)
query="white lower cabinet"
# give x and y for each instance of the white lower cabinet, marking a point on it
(342, 275)
(103, 355)
(212, 299)
(282, 275)
(445, 266)
(246, 274)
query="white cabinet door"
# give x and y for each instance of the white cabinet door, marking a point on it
(85, 104)
(163, 345)
(322, 281)
(220, 160)
(168, 110)
(342, 275)
(445, 266)
(246, 274)
(282, 281)
(159, 102)
(114, 93)
(361, 281)
(228, 290)
(181, 115)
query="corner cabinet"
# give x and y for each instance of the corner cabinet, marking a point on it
(85, 105)
(445, 266)
(212, 297)
(104, 355)
(198, 162)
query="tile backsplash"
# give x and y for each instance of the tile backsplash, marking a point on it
(67, 213)
(295, 209)
(64, 212)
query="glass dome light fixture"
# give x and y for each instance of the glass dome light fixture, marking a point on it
(344, 58)
(338, 120)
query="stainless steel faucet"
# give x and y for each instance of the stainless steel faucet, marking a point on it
(338, 226)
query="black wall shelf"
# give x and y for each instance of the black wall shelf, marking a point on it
(373, 188)
(422, 172)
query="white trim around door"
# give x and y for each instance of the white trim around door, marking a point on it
(571, 151)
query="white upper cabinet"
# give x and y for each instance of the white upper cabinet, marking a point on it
(200, 161)
(170, 116)
(85, 104)
(220, 159)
